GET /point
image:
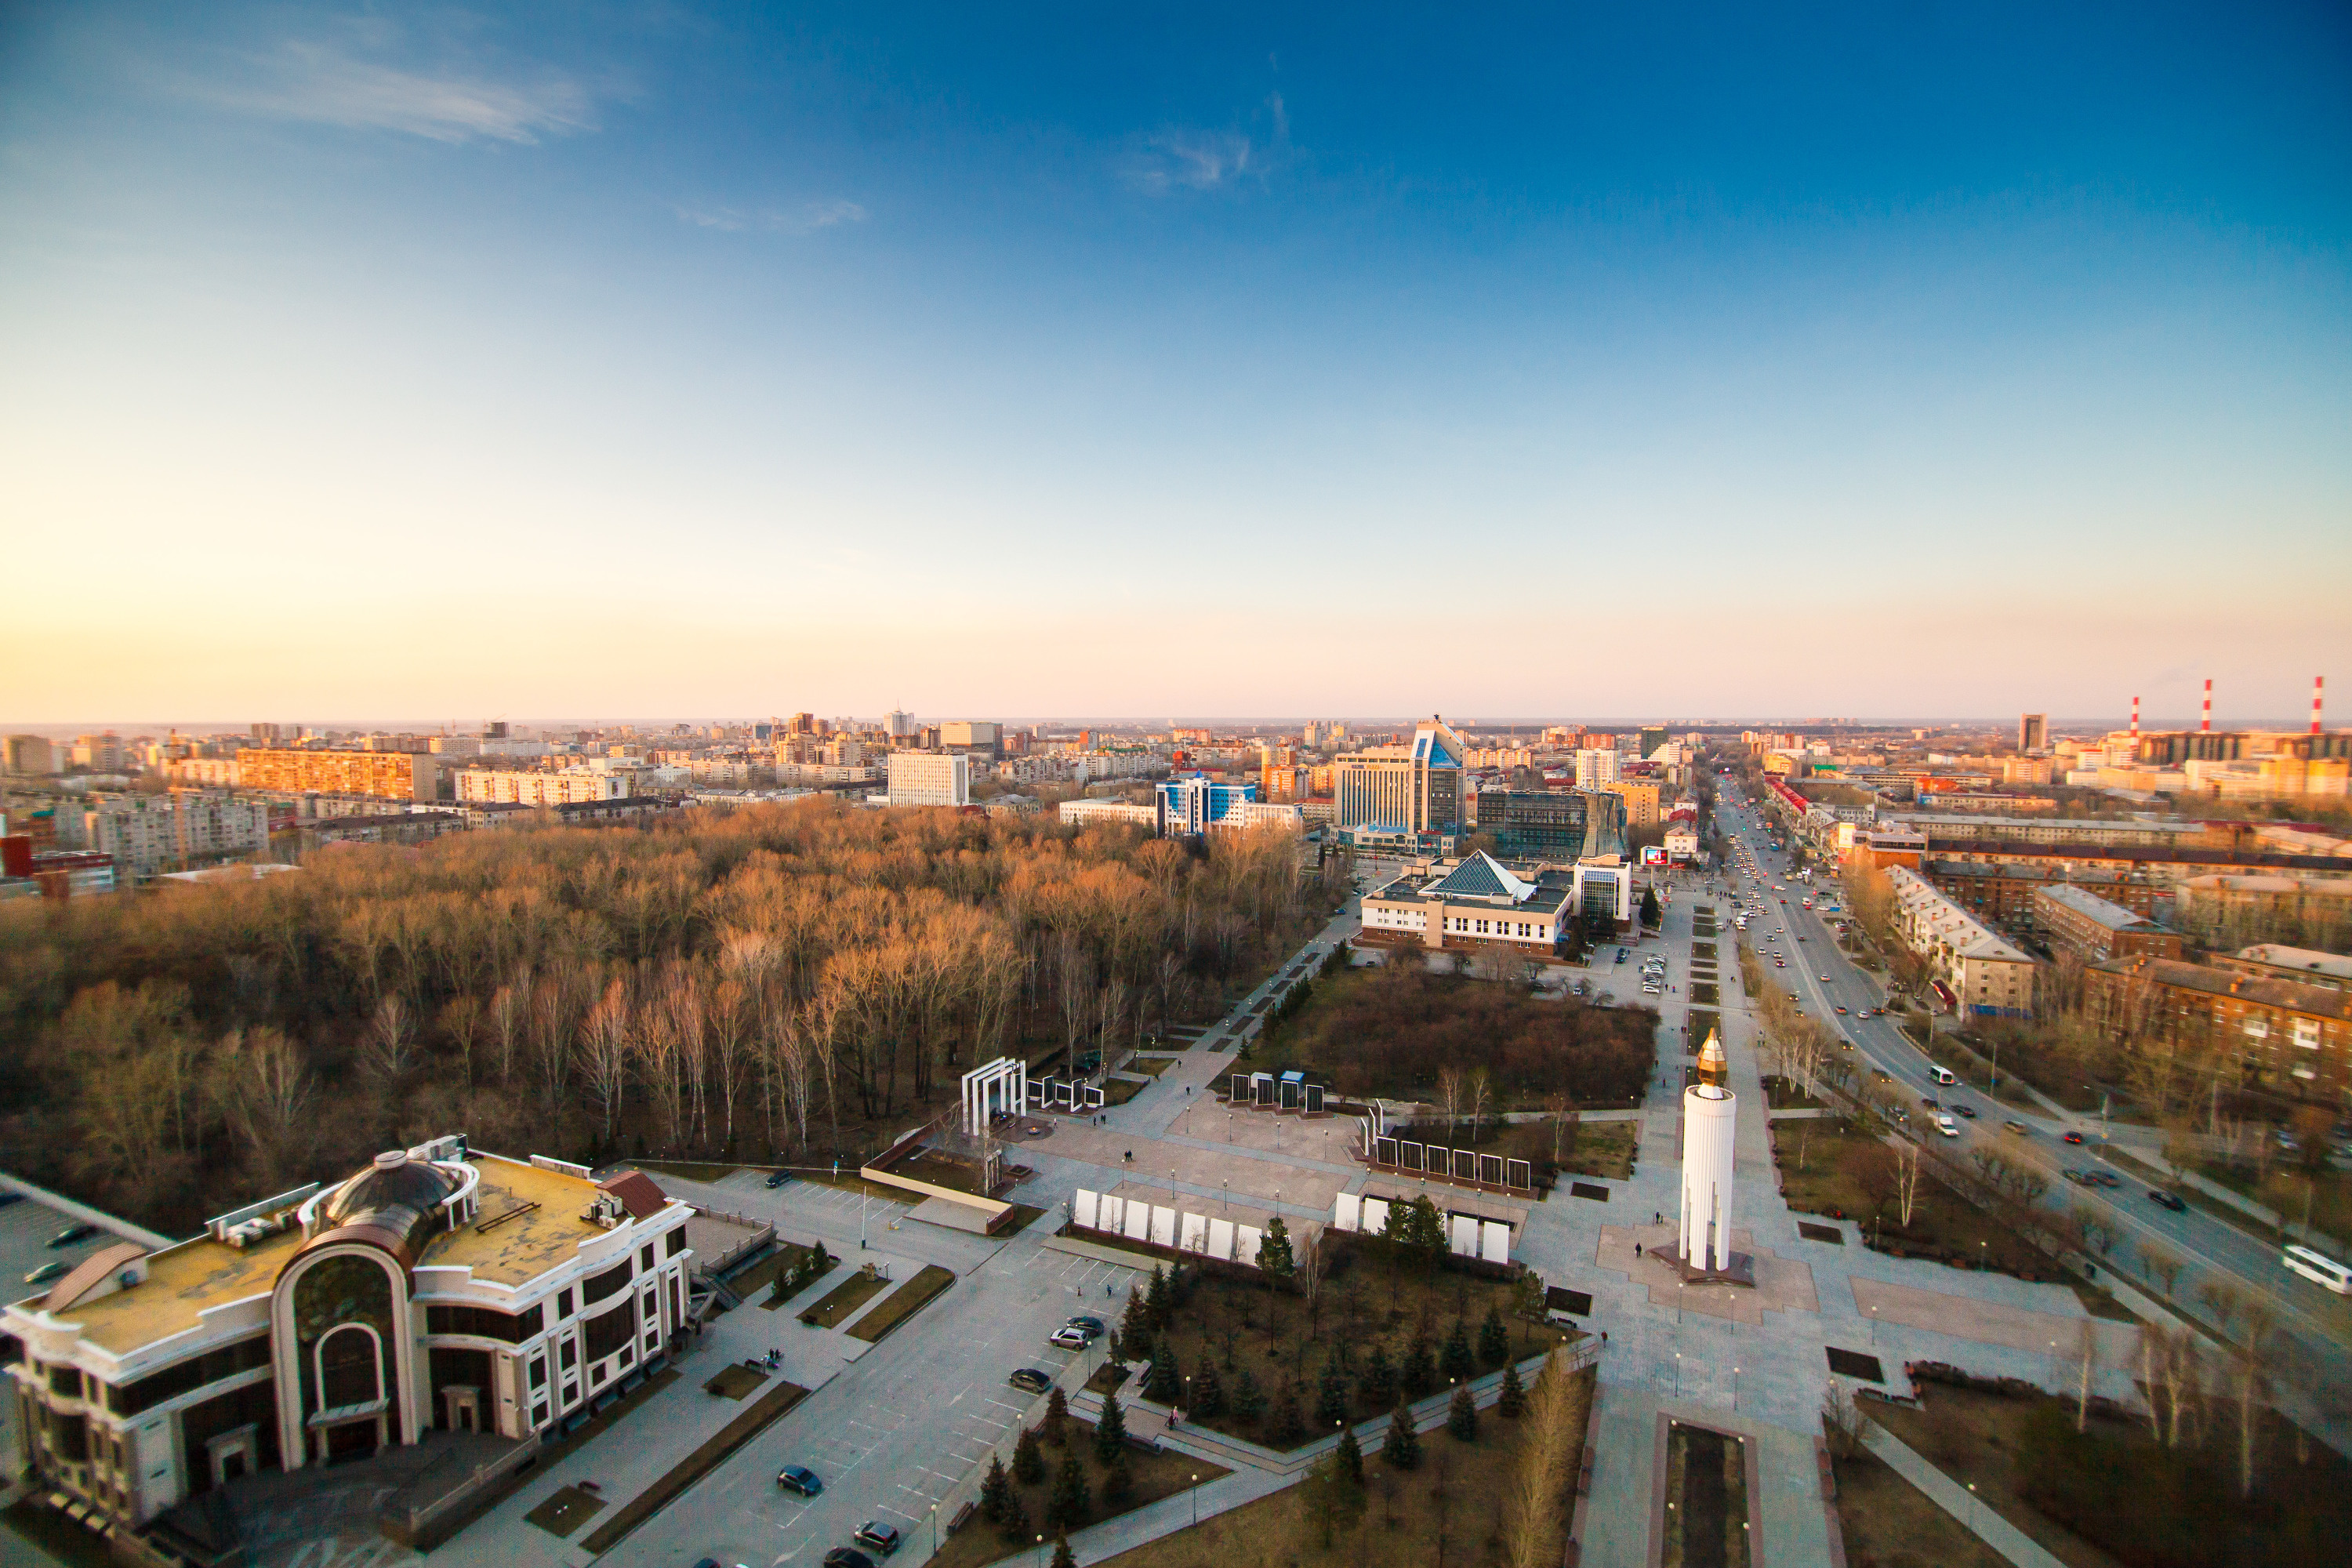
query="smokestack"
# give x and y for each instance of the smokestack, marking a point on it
(2318, 688)
(2135, 722)
(2205, 725)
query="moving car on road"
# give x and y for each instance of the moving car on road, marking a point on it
(1947, 1127)
(2167, 1200)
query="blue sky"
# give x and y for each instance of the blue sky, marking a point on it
(695, 359)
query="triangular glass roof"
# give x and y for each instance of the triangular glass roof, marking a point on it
(1482, 877)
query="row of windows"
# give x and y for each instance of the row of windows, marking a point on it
(156, 1387)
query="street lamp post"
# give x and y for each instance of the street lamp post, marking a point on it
(1196, 1499)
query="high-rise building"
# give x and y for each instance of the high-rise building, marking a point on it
(971, 735)
(31, 755)
(1190, 806)
(391, 776)
(148, 834)
(2033, 732)
(929, 778)
(899, 724)
(1413, 788)
(1652, 736)
(1596, 766)
(1532, 824)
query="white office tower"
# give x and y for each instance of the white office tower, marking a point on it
(1710, 1113)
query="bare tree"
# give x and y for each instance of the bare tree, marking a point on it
(390, 1043)
(461, 1020)
(1556, 1412)
(1482, 1094)
(2086, 1351)
(1449, 1094)
(605, 1055)
(1907, 1177)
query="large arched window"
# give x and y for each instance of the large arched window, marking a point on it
(350, 1367)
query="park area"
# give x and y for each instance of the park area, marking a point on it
(1393, 1029)
(1139, 1477)
(1833, 1166)
(2190, 1502)
(1280, 1367)
(1459, 1505)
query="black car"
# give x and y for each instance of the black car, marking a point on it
(1092, 1325)
(777, 1178)
(1029, 1380)
(1968, 1110)
(848, 1557)
(883, 1538)
(2168, 1200)
(72, 1234)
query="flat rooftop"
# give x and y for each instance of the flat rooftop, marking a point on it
(181, 1282)
(523, 1248)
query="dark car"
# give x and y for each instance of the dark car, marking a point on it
(48, 1271)
(1029, 1380)
(882, 1537)
(848, 1557)
(777, 1178)
(1092, 1325)
(1929, 1102)
(799, 1478)
(2072, 1137)
(1968, 1110)
(72, 1234)
(2170, 1200)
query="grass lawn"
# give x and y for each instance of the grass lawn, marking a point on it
(1703, 952)
(1119, 1090)
(1888, 1521)
(2330, 1194)
(1452, 1509)
(842, 1300)
(1279, 1340)
(1704, 995)
(941, 1170)
(1602, 1148)
(1811, 1155)
(1788, 1094)
(903, 1304)
(1155, 1476)
(1150, 1066)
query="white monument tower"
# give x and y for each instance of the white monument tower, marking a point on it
(1710, 1113)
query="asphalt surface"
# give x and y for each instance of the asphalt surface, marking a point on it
(2209, 1247)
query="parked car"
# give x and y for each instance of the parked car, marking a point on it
(799, 1478)
(883, 1538)
(2167, 1200)
(777, 1178)
(1029, 1380)
(1091, 1324)
(48, 1271)
(848, 1557)
(1068, 1339)
(73, 1232)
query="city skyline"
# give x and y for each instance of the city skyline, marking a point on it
(533, 361)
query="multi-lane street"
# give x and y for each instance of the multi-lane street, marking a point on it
(1823, 980)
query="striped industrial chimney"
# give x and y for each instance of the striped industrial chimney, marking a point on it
(2205, 725)
(2135, 725)
(2318, 688)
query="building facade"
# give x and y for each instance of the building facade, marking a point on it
(1412, 788)
(439, 1288)
(1983, 973)
(2077, 921)
(929, 778)
(1192, 805)
(1474, 902)
(505, 786)
(2282, 1034)
(1532, 824)
(388, 776)
(1126, 814)
(150, 833)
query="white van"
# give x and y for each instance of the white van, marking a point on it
(2319, 1268)
(1942, 1075)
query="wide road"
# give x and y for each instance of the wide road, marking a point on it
(1824, 979)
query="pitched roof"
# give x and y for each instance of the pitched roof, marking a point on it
(636, 1192)
(1481, 875)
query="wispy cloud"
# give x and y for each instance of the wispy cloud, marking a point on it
(323, 85)
(806, 218)
(1193, 160)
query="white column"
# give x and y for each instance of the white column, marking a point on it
(1709, 1117)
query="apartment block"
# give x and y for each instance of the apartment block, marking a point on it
(1981, 974)
(2088, 926)
(387, 775)
(502, 786)
(931, 778)
(150, 833)
(2284, 1035)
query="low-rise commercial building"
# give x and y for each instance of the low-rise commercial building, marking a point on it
(1121, 813)
(2284, 1035)
(1473, 902)
(2093, 929)
(1960, 827)
(1982, 974)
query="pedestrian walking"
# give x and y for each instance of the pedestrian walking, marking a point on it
(1637, 1249)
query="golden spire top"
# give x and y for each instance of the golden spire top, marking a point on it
(1712, 1067)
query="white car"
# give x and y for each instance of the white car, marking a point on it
(1947, 1127)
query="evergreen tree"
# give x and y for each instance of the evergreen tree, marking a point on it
(1028, 1459)
(1157, 1301)
(1461, 1416)
(1063, 1556)
(1118, 1482)
(1135, 1329)
(1249, 1399)
(995, 1492)
(1513, 1401)
(1066, 1509)
(1376, 1386)
(1494, 1340)
(1208, 1391)
(1350, 1455)
(1428, 1229)
(1273, 1253)
(1402, 1447)
(1418, 1375)
(1284, 1426)
(1397, 1227)
(1013, 1524)
(1455, 1362)
(1057, 1418)
(1650, 914)
(1110, 1431)
(1165, 1381)
(1331, 1397)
